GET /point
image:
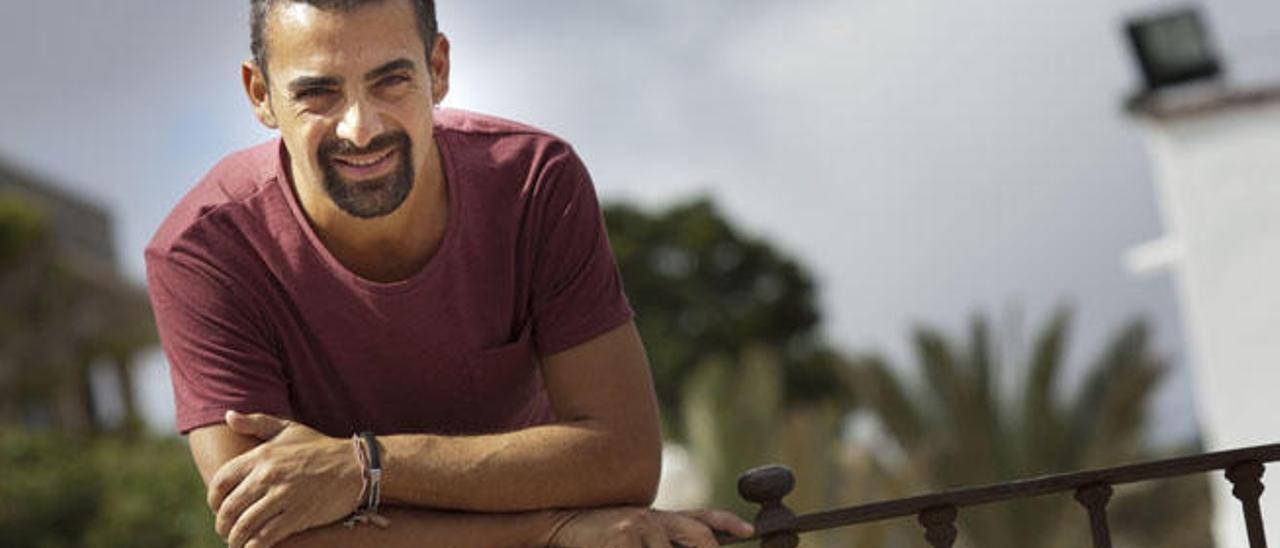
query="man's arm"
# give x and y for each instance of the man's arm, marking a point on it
(412, 528)
(612, 527)
(213, 446)
(605, 450)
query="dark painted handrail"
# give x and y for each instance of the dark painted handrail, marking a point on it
(778, 527)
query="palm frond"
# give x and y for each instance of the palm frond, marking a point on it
(938, 365)
(1110, 410)
(985, 371)
(880, 390)
(1043, 431)
(954, 431)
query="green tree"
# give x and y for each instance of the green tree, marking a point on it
(58, 314)
(703, 291)
(22, 228)
(57, 491)
(736, 418)
(959, 428)
(25, 252)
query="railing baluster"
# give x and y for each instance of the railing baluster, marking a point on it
(1247, 479)
(778, 527)
(939, 526)
(1094, 498)
(766, 486)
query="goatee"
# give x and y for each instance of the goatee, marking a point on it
(368, 198)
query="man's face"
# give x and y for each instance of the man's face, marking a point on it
(352, 94)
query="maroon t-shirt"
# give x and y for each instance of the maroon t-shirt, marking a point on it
(256, 315)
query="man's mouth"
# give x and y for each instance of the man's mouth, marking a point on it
(364, 166)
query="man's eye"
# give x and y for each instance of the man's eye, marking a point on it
(311, 93)
(394, 79)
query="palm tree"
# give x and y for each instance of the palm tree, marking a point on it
(958, 427)
(737, 416)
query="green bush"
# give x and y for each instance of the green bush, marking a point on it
(49, 491)
(109, 492)
(22, 225)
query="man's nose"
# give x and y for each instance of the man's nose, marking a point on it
(359, 124)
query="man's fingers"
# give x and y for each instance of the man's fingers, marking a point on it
(235, 505)
(687, 531)
(247, 525)
(227, 478)
(258, 425)
(722, 521)
(654, 536)
(273, 531)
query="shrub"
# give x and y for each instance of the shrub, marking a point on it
(108, 492)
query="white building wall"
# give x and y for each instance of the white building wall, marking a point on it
(1218, 181)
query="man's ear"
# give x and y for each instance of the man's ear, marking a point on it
(256, 87)
(439, 68)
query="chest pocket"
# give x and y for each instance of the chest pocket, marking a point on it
(506, 386)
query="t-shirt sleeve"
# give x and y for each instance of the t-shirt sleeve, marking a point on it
(578, 292)
(220, 356)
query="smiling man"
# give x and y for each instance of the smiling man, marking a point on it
(402, 318)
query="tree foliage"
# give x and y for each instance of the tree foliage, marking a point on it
(958, 427)
(703, 290)
(736, 418)
(57, 314)
(57, 491)
(22, 227)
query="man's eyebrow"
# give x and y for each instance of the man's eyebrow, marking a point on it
(398, 64)
(303, 82)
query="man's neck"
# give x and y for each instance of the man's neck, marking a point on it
(392, 247)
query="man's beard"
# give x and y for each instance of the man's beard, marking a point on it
(368, 198)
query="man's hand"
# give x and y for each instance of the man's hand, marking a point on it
(645, 528)
(298, 479)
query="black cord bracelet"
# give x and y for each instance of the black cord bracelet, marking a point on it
(375, 471)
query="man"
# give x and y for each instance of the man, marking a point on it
(437, 279)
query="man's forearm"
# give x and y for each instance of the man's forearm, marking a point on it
(566, 465)
(417, 528)
(606, 451)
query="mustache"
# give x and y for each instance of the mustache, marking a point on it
(332, 147)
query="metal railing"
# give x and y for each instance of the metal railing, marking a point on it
(778, 527)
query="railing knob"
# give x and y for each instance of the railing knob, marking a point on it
(766, 486)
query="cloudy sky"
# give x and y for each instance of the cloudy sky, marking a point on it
(927, 159)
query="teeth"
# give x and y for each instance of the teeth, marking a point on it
(365, 163)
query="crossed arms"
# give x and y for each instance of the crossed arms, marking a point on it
(270, 479)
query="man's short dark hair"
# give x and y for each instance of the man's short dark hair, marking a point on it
(425, 10)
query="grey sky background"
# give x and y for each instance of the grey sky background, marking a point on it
(927, 159)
